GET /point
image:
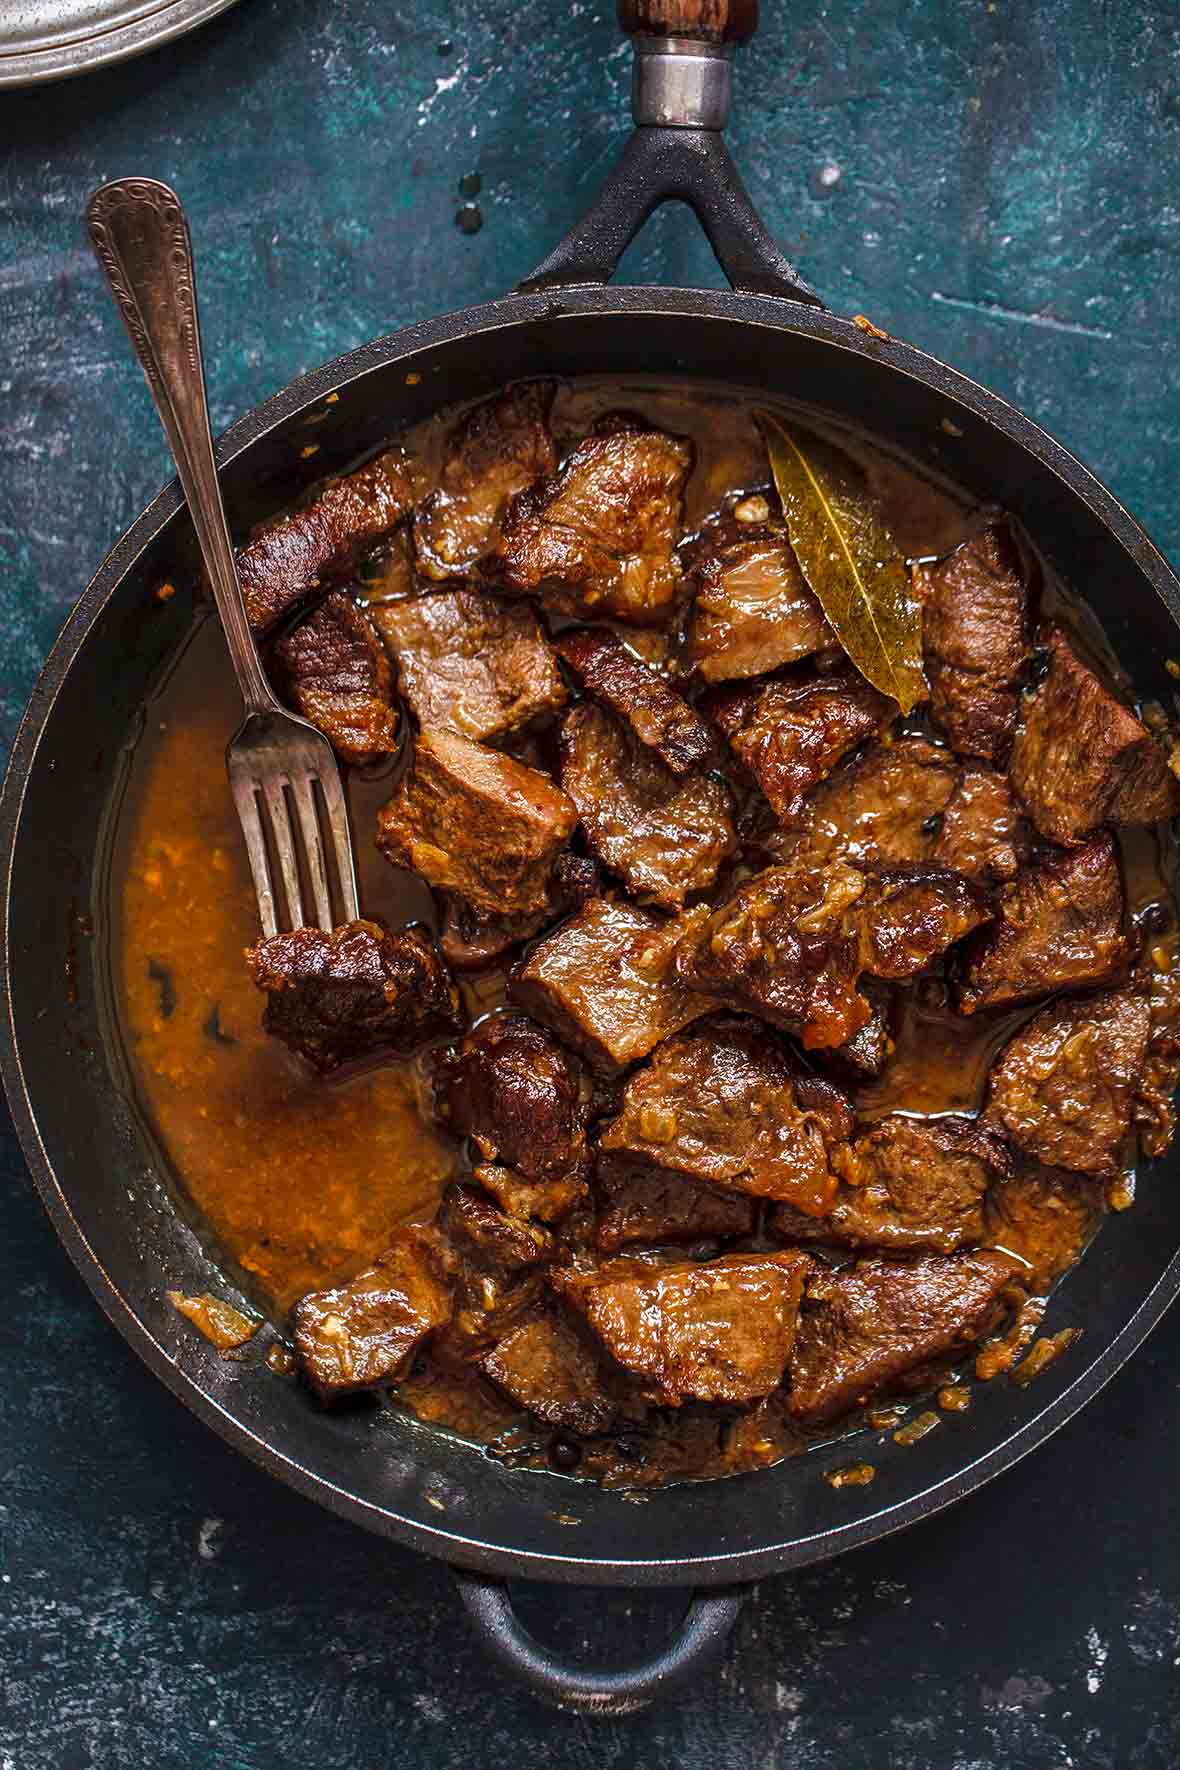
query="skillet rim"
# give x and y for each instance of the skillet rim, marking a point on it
(337, 376)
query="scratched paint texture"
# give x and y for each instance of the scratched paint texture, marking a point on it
(997, 183)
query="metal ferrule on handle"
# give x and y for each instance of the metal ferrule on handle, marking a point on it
(681, 84)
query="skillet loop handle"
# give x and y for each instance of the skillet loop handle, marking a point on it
(576, 1689)
(680, 101)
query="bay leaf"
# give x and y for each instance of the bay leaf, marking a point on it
(849, 558)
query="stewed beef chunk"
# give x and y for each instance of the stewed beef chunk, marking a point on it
(1081, 758)
(906, 1184)
(1062, 927)
(1063, 1089)
(598, 538)
(979, 831)
(975, 642)
(477, 1229)
(874, 1322)
(723, 1104)
(1155, 1106)
(474, 822)
(753, 611)
(363, 1333)
(865, 1054)
(335, 672)
(605, 982)
(547, 1200)
(783, 947)
(335, 998)
(471, 940)
(884, 808)
(1045, 1217)
(547, 1367)
(495, 451)
(790, 732)
(288, 561)
(664, 835)
(518, 1094)
(650, 1205)
(909, 915)
(659, 717)
(470, 663)
(718, 1330)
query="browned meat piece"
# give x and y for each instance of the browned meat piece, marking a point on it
(598, 538)
(495, 451)
(1155, 1108)
(478, 824)
(980, 832)
(909, 915)
(1044, 1217)
(338, 997)
(605, 983)
(335, 672)
(470, 663)
(1082, 759)
(471, 942)
(1062, 927)
(362, 1333)
(753, 611)
(1064, 1087)
(664, 836)
(865, 1054)
(518, 1094)
(476, 1228)
(546, 1367)
(883, 808)
(875, 1321)
(638, 1203)
(288, 561)
(790, 732)
(975, 642)
(906, 1184)
(547, 1200)
(783, 947)
(659, 717)
(721, 1105)
(720, 1330)
(489, 1299)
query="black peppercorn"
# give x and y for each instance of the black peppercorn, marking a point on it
(564, 1453)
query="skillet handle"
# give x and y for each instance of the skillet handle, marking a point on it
(680, 101)
(565, 1685)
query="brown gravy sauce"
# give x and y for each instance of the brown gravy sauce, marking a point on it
(299, 1183)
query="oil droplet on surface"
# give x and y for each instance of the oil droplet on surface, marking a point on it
(469, 219)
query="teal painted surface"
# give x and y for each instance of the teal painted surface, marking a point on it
(995, 182)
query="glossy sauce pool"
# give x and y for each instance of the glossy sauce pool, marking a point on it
(300, 1182)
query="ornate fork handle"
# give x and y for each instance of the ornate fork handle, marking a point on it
(141, 239)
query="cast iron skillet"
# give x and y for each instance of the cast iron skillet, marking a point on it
(92, 1157)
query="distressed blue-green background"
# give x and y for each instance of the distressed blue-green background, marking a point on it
(997, 182)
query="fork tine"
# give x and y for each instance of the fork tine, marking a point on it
(303, 794)
(280, 823)
(246, 800)
(342, 841)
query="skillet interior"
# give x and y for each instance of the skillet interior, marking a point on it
(95, 1167)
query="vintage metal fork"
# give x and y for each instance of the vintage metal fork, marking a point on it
(276, 761)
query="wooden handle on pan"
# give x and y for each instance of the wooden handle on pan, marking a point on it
(708, 21)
